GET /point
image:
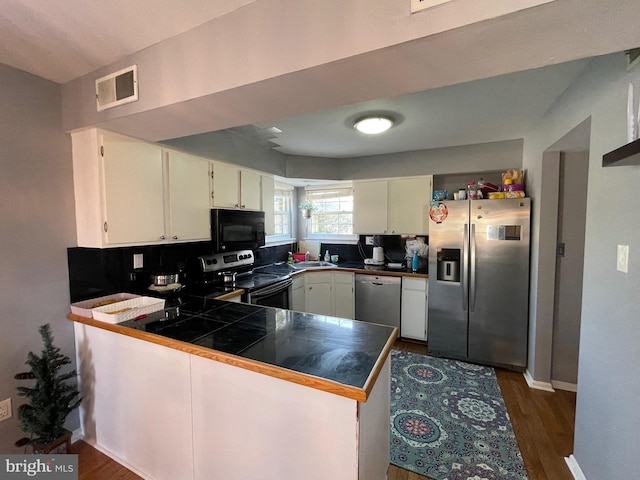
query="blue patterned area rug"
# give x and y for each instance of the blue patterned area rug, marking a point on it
(449, 421)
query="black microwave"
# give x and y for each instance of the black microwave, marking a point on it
(233, 230)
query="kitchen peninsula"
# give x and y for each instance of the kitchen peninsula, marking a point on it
(266, 394)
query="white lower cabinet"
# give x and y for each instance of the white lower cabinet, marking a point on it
(414, 311)
(343, 295)
(324, 293)
(298, 293)
(318, 293)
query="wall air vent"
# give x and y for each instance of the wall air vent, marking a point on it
(417, 5)
(117, 88)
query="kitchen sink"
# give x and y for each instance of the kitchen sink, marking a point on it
(312, 265)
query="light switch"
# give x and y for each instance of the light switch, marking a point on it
(622, 263)
(138, 260)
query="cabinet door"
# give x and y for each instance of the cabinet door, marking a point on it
(370, 207)
(408, 205)
(414, 309)
(268, 206)
(298, 293)
(188, 197)
(318, 298)
(133, 191)
(226, 186)
(343, 295)
(250, 196)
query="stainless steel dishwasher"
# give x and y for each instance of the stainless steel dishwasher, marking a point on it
(378, 299)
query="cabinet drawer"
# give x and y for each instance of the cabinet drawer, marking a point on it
(343, 277)
(414, 284)
(318, 277)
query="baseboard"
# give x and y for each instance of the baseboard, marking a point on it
(576, 471)
(76, 435)
(547, 387)
(569, 387)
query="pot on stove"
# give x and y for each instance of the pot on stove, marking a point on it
(164, 279)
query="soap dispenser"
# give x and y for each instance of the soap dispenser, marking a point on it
(415, 262)
(327, 258)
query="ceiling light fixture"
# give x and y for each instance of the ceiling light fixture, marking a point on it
(373, 125)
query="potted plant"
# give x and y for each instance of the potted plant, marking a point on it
(306, 207)
(51, 399)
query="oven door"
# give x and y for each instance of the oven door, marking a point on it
(275, 295)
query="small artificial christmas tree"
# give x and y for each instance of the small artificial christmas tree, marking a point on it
(51, 399)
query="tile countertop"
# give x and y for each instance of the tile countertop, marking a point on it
(337, 355)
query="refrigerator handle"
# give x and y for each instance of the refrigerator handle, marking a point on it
(472, 267)
(465, 268)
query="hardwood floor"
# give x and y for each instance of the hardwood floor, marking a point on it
(542, 421)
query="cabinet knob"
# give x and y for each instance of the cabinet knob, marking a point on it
(105, 227)
(175, 237)
(162, 237)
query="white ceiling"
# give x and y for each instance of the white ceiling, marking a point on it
(64, 39)
(495, 109)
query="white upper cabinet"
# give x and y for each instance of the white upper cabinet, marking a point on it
(133, 191)
(370, 206)
(130, 192)
(188, 187)
(408, 205)
(392, 206)
(250, 190)
(267, 201)
(235, 187)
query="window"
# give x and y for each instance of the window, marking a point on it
(282, 198)
(332, 211)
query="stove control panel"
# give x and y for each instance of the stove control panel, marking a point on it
(226, 261)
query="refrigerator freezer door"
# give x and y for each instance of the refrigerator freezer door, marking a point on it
(499, 282)
(447, 330)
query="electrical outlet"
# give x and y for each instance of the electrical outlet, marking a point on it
(622, 260)
(368, 240)
(5, 409)
(138, 260)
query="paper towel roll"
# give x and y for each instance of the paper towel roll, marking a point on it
(378, 254)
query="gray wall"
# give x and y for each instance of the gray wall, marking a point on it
(38, 224)
(607, 414)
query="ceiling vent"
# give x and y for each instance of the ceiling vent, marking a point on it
(117, 88)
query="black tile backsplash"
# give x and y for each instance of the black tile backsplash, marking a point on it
(95, 272)
(394, 248)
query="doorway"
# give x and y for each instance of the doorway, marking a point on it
(572, 209)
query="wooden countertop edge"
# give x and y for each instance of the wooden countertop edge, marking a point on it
(354, 393)
(377, 368)
(390, 273)
(230, 295)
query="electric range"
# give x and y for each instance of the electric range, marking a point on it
(234, 270)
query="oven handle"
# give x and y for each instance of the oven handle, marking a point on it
(271, 289)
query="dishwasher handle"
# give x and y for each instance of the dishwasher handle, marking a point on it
(376, 280)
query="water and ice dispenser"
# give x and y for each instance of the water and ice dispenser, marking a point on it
(449, 265)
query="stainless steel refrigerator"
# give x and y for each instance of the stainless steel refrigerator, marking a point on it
(479, 281)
